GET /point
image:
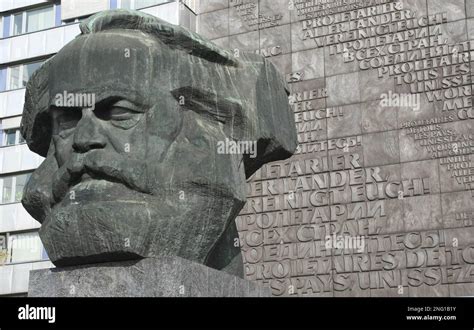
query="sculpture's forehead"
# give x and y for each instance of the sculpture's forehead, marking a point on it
(116, 61)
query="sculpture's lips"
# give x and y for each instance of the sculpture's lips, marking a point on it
(93, 190)
(90, 183)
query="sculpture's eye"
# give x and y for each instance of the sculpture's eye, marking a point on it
(225, 110)
(123, 114)
(118, 113)
(66, 119)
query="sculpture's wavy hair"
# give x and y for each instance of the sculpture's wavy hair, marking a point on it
(172, 35)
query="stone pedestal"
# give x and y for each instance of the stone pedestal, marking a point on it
(150, 277)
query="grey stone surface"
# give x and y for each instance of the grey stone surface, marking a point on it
(470, 8)
(278, 36)
(348, 124)
(243, 16)
(455, 9)
(370, 91)
(214, 24)
(157, 164)
(470, 27)
(343, 82)
(244, 42)
(455, 32)
(309, 63)
(211, 5)
(149, 277)
(376, 118)
(409, 147)
(381, 148)
(275, 12)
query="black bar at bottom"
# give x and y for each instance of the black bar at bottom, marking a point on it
(289, 313)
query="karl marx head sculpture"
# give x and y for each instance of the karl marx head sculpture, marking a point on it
(139, 172)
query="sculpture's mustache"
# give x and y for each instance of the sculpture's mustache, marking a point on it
(101, 164)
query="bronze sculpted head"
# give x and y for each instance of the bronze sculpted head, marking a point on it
(148, 130)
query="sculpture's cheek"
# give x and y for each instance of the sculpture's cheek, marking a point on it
(62, 147)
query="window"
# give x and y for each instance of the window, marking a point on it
(3, 79)
(21, 140)
(11, 137)
(3, 249)
(3, 242)
(17, 24)
(14, 81)
(126, 4)
(7, 189)
(76, 20)
(29, 69)
(40, 19)
(18, 76)
(34, 20)
(137, 4)
(6, 25)
(20, 185)
(25, 247)
(11, 188)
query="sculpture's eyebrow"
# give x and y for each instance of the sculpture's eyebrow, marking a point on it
(207, 102)
(82, 99)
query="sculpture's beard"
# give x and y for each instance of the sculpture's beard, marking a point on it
(100, 201)
(116, 207)
(99, 172)
(113, 210)
(140, 225)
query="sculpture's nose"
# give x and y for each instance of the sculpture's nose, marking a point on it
(88, 134)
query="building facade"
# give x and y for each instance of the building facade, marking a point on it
(31, 31)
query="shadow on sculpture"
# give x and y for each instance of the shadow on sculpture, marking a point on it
(149, 133)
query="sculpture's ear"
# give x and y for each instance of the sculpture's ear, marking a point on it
(273, 119)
